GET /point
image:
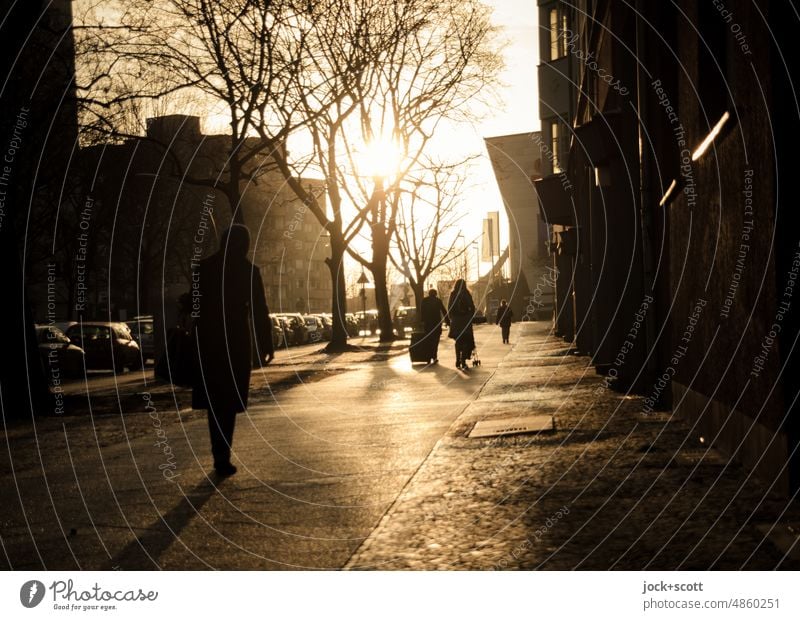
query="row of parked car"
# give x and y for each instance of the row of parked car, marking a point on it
(67, 348)
(291, 329)
(70, 347)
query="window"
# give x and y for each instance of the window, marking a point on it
(558, 34)
(555, 146)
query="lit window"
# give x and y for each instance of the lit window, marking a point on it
(558, 34)
(555, 146)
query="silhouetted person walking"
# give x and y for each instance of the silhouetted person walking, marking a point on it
(460, 313)
(504, 317)
(433, 312)
(231, 296)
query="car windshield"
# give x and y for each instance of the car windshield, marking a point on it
(143, 327)
(89, 332)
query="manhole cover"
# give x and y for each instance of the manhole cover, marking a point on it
(512, 426)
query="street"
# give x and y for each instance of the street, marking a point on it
(319, 466)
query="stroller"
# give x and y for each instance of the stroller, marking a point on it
(476, 361)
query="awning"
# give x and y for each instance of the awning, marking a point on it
(556, 203)
(601, 138)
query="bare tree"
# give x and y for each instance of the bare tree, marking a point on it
(140, 54)
(438, 58)
(337, 75)
(424, 238)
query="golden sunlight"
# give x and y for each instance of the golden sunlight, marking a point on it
(380, 158)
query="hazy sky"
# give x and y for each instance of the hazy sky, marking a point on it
(518, 20)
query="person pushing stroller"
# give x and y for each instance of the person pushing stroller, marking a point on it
(460, 313)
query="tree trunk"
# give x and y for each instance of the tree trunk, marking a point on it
(380, 256)
(419, 294)
(234, 196)
(339, 294)
(232, 188)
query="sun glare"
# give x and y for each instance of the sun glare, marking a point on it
(380, 159)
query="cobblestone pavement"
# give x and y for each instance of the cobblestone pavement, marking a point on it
(610, 488)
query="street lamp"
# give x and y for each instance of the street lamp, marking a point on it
(362, 281)
(464, 274)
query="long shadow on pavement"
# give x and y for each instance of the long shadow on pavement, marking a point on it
(144, 552)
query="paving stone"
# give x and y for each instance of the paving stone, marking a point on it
(609, 489)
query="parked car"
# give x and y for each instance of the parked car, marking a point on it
(142, 329)
(298, 325)
(278, 333)
(351, 324)
(404, 319)
(327, 326)
(64, 325)
(286, 326)
(314, 326)
(480, 317)
(367, 323)
(57, 353)
(106, 345)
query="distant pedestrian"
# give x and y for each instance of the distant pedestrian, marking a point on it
(504, 317)
(433, 312)
(230, 298)
(460, 313)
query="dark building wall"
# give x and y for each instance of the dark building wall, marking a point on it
(35, 103)
(151, 221)
(723, 241)
(604, 168)
(721, 255)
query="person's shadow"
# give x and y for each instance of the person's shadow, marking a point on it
(144, 551)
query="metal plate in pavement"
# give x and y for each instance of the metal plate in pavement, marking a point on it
(513, 426)
(785, 536)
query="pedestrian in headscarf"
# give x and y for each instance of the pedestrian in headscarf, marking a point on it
(460, 314)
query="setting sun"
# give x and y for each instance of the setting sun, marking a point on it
(380, 158)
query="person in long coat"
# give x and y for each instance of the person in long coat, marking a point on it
(504, 317)
(433, 311)
(460, 314)
(229, 305)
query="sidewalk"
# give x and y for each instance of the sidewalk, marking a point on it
(610, 488)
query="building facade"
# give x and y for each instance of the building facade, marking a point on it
(148, 222)
(685, 248)
(517, 163)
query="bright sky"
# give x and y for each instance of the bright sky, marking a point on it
(517, 113)
(518, 20)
